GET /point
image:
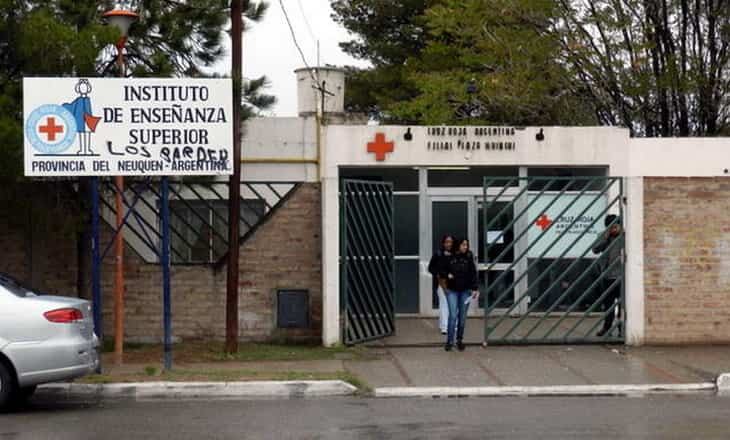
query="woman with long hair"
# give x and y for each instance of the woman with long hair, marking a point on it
(436, 267)
(462, 287)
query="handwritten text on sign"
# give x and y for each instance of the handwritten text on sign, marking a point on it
(109, 126)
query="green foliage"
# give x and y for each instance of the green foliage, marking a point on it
(388, 32)
(41, 38)
(502, 47)
(658, 68)
(426, 52)
(68, 38)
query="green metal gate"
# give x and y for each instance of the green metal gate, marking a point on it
(367, 263)
(552, 273)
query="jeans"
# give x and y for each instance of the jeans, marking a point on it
(443, 309)
(458, 307)
(608, 302)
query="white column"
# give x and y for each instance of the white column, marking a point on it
(521, 225)
(634, 222)
(425, 306)
(331, 333)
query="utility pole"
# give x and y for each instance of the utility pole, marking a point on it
(119, 245)
(122, 18)
(234, 187)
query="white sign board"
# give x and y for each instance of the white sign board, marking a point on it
(549, 220)
(127, 127)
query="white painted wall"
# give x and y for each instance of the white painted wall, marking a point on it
(568, 146)
(281, 149)
(294, 139)
(680, 157)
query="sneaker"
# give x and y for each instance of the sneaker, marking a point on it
(447, 347)
(460, 345)
(602, 332)
(443, 332)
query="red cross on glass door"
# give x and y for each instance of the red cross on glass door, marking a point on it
(543, 222)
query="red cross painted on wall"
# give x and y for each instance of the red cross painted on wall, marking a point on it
(543, 222)
(380, 147)
(51, 129)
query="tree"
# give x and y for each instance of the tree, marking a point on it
(67, 38)
(426, 53)
(657, 67)
(660, 68)
(388, 33)
(492, 62)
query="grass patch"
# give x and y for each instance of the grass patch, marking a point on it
(273, 352)
(191, 352)
(108, 346)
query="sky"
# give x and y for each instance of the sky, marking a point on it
(268, 48)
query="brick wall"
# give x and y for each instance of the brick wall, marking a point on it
(283, 253)
(38, 237)
(687, 260)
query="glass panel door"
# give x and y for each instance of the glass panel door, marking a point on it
(449, 216)
(500, 236)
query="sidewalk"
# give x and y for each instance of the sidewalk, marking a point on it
(430, 371)
(543, 366)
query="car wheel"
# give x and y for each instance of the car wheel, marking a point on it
(25, 393)
(7, 387)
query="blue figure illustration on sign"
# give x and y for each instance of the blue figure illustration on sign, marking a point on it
(85, 121)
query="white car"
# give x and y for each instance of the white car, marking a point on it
(42, 339)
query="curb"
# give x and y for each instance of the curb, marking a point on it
(560, 390)
(723, 384)
(207, 390)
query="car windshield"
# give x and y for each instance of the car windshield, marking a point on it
(14, 287)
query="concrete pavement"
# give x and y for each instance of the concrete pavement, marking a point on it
(543, 366)
(430, 371)
(200, 390)
(560, 418)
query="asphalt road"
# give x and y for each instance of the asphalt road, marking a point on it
(663, 417)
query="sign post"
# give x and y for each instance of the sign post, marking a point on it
(128, 127)
(96, 262)
(165, 262)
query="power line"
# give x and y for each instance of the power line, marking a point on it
(317, 85)
(296, 42)
(306, 21)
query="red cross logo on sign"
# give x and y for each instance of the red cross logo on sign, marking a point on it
(51, 129)
(543, 222)
(380, 147)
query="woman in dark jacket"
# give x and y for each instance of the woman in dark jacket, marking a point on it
(437, 266)
(462, 287)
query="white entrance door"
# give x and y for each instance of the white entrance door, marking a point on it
(462, 216)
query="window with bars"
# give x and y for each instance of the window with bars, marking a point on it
(199, 228)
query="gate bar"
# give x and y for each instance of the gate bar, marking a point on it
(382, 304)
(592, 307)
(522, 233)
(365, 308)
(570, 289)
(387, 242)
(531, 245)
(560, 258)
